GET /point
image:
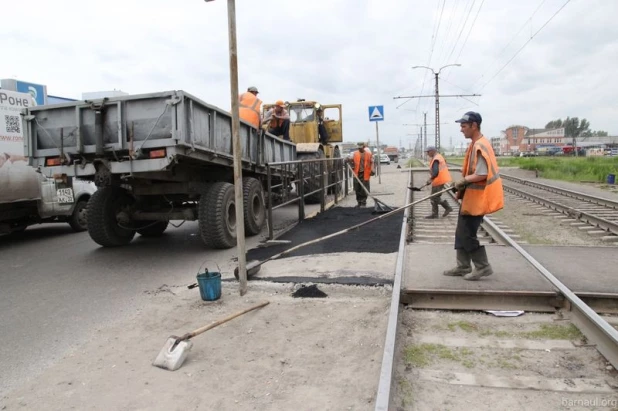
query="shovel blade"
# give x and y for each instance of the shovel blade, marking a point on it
(173, 354)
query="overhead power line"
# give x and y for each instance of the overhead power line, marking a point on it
(526, 43)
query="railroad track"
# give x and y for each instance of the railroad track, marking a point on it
(599, 214)
(441, 352)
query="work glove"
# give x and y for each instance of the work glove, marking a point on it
(461, 184)
(428, 181)
(373, 173)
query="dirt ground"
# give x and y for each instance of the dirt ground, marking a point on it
(295, 353)
(453, 361)
(324, 352)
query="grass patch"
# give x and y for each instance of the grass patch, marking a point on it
(593, 169)
(463, 325)
(505, 365)
(421, 355)
(405, 388)
(554, 332)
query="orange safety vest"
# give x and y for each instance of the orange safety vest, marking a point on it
(367, 164)
(275, 122)
(443, 176)
(250, 107)
(483, 197)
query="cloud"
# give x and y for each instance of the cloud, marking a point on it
(351, 52)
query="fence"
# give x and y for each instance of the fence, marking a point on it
(309, 181)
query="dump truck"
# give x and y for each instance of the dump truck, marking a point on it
(26, 196)
(317, 132)
(156, 158)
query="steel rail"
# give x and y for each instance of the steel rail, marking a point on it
(388, 357)
(600, 222)
(595, 328)
(565, 192)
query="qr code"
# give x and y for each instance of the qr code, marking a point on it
(12, 124)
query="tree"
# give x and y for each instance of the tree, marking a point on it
(553, 124)
(574, 128)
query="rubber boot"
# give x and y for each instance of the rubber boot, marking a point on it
(481, 265)
(447, 208)
(434, 211)
(463, 265)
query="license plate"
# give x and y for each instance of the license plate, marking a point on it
(65, 195)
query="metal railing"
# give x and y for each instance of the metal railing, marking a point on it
(311, 179)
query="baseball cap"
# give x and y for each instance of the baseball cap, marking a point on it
(253, 88)
(280, 103)
(360, 144)
(430, 148)
(470, 117)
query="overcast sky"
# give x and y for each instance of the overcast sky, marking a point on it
(354, 52)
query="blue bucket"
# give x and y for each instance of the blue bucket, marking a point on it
(611, 179)
(210, 285)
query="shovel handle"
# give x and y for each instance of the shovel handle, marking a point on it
(219, 322)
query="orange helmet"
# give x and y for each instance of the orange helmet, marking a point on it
(280, 103)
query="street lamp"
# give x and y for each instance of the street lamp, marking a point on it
(436, 74)
(236, 148)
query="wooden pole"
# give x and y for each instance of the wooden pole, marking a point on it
(237, 149)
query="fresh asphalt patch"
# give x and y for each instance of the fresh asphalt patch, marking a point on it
(381, 236)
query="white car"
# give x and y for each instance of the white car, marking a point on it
(384, 159)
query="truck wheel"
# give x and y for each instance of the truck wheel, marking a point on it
(153, 228)
(217, 216)
(254, 209)
(79, 218)
(311, 170)
(103, 225)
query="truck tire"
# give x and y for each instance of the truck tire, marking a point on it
(103, 225)
(253, 206)
(217, 216)
(153, 228)
(79, 218)
(308, 170)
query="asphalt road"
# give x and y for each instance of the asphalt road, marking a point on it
(57, 287)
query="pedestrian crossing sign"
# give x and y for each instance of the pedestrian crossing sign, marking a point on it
(376, 113)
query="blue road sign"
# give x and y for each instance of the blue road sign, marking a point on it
(376, 113)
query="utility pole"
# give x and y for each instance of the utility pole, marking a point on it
(236, 147)
(425, 121)
(437, 98)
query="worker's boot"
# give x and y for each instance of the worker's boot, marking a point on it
(434, 211)
(463, 265)
(481, 265)
(447, 208)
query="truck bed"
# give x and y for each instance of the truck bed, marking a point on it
(128, 128)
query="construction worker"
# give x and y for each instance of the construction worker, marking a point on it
(278, 120)
(438, 177)
(362, 164)
(250, 107)
(480, 192)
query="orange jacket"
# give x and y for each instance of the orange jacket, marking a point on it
(443, 174)
(367, 164)
(250, 107)
(483, 197)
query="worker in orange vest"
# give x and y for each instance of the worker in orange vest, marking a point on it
(250, 107)
(278, 120)
(480, 191)
(362, 164)
(438, 177)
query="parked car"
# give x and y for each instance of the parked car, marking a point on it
(384, 159)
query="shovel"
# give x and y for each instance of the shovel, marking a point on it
(253, 267)
(175, 351)
(379, 206)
